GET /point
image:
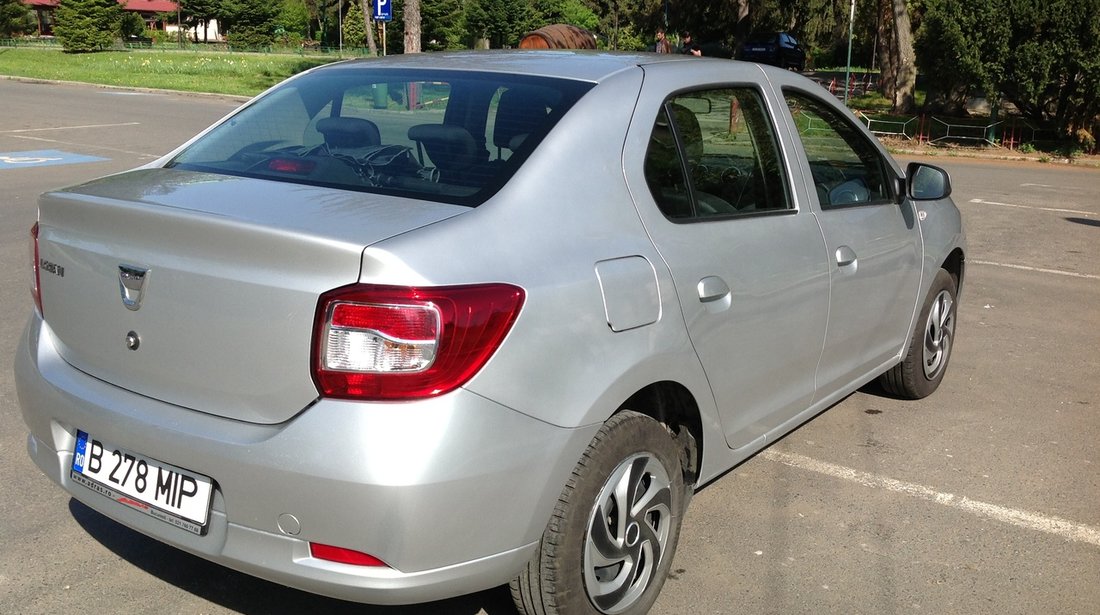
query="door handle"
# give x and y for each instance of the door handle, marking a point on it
(712, 288)
(845, 256)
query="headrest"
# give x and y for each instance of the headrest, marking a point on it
(349, 132)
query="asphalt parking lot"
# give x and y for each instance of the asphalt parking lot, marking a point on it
(983, 498)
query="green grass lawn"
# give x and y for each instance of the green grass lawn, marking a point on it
(244, 74)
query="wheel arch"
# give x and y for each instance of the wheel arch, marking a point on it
(955, 264)
(673, 405)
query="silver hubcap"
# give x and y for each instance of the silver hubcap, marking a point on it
(938, 332)
(627, 533)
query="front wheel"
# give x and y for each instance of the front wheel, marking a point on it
(611, 540)
(922, 369)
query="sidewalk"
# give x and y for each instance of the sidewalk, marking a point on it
(905, 147)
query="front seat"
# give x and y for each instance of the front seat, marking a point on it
(452, 150)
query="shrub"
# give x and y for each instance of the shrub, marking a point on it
(1084, 140)
(249, 38)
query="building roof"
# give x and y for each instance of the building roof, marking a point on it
(144, 6)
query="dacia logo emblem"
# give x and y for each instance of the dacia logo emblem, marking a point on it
(131, 283)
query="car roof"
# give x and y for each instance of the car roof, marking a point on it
(583, 65)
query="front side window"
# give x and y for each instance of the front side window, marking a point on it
(714, 153)
(436, 135)
(847, 168)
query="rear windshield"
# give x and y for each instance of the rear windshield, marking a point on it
(447, 136)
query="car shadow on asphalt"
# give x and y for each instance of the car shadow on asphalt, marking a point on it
(1084, 221)
(247, 594)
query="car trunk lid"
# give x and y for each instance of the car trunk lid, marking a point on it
(200, 289)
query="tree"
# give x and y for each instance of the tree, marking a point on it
(898, 78)
(86, 25)
(250, 23)
(629, 24)
(130, 25)
(412, 26)
(368, 27)
(202, 12)
(443, 25)
(355, 32)
(1051, 67)
(15, 18)
(293, 18)
(572, 12)
(964, 45)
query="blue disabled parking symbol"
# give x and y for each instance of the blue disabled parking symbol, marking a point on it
(42, 158)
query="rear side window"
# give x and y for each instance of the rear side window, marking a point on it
(714, 153)
(436, 135)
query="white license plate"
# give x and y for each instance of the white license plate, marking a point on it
(158, 489)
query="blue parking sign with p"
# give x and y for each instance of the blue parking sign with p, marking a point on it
(383, 10)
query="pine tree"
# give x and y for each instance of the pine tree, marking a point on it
(355, 34)
(251, 23)
(14, 18)
(86, 25)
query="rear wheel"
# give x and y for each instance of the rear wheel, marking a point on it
(922, 369)
(611, 540)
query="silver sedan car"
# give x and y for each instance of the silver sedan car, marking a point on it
(404, 329)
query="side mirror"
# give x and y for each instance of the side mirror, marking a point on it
(924, 182)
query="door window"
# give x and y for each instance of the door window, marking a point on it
(713, 154)
(847, 168)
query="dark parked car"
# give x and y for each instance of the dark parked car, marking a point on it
(775, 48)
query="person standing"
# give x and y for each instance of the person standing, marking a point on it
(662, 46)
(688, 46)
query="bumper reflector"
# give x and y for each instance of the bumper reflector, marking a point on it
(343, 556)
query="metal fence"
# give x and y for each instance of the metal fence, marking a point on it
(310, 49)
(1013, 133)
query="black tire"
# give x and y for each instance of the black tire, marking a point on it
(564, 578)
(922, 369)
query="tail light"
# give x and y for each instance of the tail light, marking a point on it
(398, 343)
(36, 279)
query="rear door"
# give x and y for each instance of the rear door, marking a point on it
(749, 267)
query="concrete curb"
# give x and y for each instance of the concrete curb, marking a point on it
(126, 88)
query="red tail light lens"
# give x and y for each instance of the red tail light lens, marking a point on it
(36, 279)
(398, 343)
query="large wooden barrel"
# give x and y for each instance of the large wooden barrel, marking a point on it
(558, 36)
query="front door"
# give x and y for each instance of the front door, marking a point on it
(873, 245)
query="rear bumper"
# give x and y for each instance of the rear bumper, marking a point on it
(452, 493)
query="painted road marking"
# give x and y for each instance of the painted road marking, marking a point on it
(1072, 274)
(1063, 528)
(20, 130)
(1061, 211)
(43, 158)
(86, 145)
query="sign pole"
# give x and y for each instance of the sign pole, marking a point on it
(848, 66)
(383, 12)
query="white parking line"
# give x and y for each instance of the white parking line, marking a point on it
(18, 130)
(86, 145)
(1053, 209)
(1072, 274)
(1062, 528)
